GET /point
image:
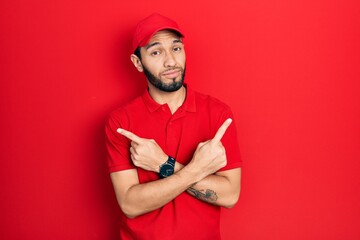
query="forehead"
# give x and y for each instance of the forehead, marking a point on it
(164, 35)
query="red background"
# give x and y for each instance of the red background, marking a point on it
(290, 70)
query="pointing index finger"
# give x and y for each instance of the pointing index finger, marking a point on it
(221, 131)
(129, 135)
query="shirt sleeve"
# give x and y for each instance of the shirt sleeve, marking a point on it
(117, 146)
(230, 141)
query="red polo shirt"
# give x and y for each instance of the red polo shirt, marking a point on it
(178, 134)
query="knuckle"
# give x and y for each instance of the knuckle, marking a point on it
(219, 151)
(135, 157)
(222, 151)
(136, 162)
(200, 145)
(223, 164)
(225, 160)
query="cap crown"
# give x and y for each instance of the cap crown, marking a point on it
(151, 25)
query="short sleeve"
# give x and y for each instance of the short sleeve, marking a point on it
(117, 146)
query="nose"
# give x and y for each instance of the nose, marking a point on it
(169, 59)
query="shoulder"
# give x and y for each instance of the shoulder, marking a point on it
(212, 110)
(132, 105)
(205, 101)
(121, 114)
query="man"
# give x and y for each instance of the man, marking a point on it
(172, 152)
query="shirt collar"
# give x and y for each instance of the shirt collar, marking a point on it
(188, 105)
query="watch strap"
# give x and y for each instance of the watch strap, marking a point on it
(171, 161)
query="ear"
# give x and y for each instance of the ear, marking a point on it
(137, 62)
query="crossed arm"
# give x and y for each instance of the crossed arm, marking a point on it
(199, 177)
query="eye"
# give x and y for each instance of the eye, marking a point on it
(177, 49)
(155, 53)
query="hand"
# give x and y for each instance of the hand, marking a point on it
(145, 153)
(210, 156)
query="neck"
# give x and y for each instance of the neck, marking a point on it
(173, 99)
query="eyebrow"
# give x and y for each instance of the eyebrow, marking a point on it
(157, 43)
(177, 41)
(151, 45)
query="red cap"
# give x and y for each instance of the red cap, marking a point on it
(151, 25)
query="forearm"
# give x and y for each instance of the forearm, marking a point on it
(139, 199)
(218, 190)
(215, 188)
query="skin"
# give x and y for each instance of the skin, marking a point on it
(164, 57)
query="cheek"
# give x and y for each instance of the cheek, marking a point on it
(182, 59)
(152, 66)
(156, 68)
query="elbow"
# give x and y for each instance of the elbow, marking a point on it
(233, 199)
(131, 216)
(129, 211)
(231, 204)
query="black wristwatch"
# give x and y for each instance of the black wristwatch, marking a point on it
(167, 169)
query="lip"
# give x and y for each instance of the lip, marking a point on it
(172, 73)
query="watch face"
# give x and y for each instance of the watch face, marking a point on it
(166, 170)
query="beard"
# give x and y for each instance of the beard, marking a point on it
(166, 87)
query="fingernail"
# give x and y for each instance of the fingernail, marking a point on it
(119, 130)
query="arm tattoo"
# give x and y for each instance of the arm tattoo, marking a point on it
(207, 195)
